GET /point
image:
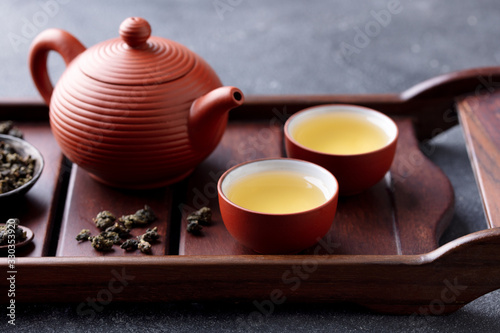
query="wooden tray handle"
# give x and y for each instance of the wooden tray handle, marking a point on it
(480, 118)
(441, 281)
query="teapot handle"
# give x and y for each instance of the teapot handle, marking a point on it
(51, 40)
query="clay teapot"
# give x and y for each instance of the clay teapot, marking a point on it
(135, 111)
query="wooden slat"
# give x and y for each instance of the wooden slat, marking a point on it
(36, 209)
(363, 224)
(480, 119)
(86, 198)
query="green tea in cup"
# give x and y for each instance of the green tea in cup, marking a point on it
(340, 133)
(277, 192)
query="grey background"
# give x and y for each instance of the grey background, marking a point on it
(280, 47)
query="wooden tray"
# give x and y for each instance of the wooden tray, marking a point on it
(381, 252)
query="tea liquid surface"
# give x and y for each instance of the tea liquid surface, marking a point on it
(277, 192)
(340, 133)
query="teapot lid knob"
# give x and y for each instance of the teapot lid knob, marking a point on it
(135, 31)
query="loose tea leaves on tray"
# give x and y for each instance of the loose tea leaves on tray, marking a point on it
(141, 218)
(150, 236)
(7, 127)
(11, 231)
(194, 227)
(130, 245)
(84, 235)
(146, 239)
(112, 236)
(198, 218)
(120, 229)
(117, 232)
(144, 247)
(104, 219)
(101, 243)
(15, 171)
(202, 216)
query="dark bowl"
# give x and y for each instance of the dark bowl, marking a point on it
(24, 149)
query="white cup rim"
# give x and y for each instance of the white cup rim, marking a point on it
(330, 188)
(377, 117)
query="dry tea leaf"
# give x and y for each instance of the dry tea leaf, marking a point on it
(144, 246)
(141, 218)
(7, 127)
(120, 229)
(84, 235)
(15, 171)
(150, 236)
(203, 216)
(5, 231)
(104, 219)
(130, 245)
(198, 218)
(194, 227)
(112, 236)
(100, 243)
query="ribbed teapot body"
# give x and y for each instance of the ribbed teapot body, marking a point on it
(129, 135)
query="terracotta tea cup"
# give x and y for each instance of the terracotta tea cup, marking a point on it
(278, 233)
(356, 171)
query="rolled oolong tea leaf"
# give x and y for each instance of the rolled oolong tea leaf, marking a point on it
(131, 221)
(112, 236)
(104, 219)
(84, 235)
(150, 236)
(15, 171)
(16, 132)
(203, 216)
(19, 233)
(7, 127)
(144, 246)
(130, 245)
(146, 214)
(120, 229)
(5, 231)
(198, 218)
(140, 219)
(194, 227)
(101, 243)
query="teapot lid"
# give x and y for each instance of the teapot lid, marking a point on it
(136, 58)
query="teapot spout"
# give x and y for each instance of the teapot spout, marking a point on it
(208, 117)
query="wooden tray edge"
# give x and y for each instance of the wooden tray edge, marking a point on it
(448, 278)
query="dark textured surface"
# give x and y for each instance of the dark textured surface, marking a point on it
(281, 47)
